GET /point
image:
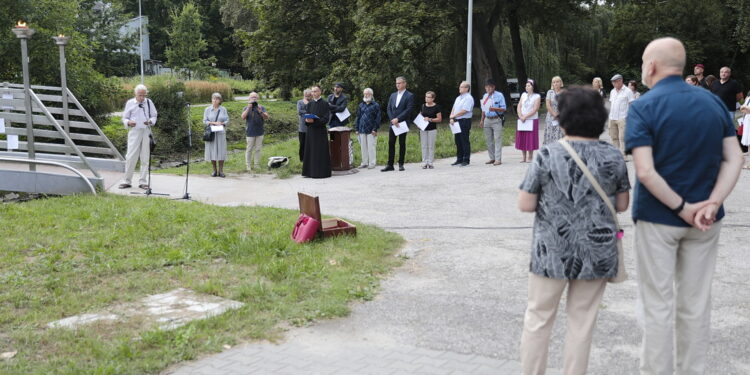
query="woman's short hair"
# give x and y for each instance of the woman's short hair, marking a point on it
(710, 79)
(692, 79)
(598, 81)
(552, 82)
(633, 83)
(216, 95)
(535, 87)
(582, 112)
(431, 93)
(140, 87)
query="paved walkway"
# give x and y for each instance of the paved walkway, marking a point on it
(456, 306)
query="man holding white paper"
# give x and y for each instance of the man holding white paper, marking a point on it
(337, 102)
(400, 105)
(461, 114)
(138, 117)
(493, 118)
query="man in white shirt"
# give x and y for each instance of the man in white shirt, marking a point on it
(138, 117)
(620, 98)
(461, 113)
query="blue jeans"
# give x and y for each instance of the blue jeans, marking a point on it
(463, 143)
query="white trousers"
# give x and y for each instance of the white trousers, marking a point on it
(675, 267)
(582, 307)
(138, 148)
(254, 147)
(428, 138)
(367, 145)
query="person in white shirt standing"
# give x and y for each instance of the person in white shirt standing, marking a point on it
(461, 113)
(138, 117)
(620, 98)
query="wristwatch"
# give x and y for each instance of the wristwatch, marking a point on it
(679, 208)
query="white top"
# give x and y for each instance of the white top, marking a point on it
(463, 102)
(139, 112)
(398, 97)
(528, 103)
(620, 102)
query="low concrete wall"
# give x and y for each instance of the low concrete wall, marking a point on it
(46, 183)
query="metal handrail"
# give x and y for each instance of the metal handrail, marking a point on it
(52, 163)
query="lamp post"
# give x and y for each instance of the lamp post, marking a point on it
(468, 41)
(24, 33)
(140, 36)
(62, 40)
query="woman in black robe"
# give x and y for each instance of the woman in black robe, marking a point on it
(317, 160)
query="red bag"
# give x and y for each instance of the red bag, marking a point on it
(305, 229)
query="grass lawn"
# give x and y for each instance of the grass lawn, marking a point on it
(445, 148)
(66, 256)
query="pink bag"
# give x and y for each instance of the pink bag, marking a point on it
(305, 229)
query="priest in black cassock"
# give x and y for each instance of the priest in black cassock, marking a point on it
(317, 160)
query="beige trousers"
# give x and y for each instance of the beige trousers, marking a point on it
(617, 133)
(254, 146)
(368, 144)
(675, 267)
(138, 148)
(582, 307)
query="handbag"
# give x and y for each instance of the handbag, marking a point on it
(622, 275)
(305, 229)
(208, 135)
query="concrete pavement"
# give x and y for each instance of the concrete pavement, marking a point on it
(456, 305)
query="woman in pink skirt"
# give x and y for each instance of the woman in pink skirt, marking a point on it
(527, 131)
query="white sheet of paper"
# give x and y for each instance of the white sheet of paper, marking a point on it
(12, 142)
(486, 105)
(525, 126)
(2, 126)
(401, 128)
(420, 122)
(217, 128)
(343, 115)
(455, 128)
(7, 97)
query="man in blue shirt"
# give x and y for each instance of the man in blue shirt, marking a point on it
(493, 118)
(687, 162)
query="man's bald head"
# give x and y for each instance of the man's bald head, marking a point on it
(662, 57)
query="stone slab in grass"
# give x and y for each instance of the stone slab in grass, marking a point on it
(166, 311)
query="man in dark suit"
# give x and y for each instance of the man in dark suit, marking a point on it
(400, 105)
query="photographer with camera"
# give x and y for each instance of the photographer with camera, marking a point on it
(254, 116)
(138, 117)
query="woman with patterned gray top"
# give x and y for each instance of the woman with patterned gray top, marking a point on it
(574, 242)
(552, 131)
(216, 150)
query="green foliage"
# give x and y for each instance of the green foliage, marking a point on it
(50, 18)
(187, 42)
(90, 252)
(113, 54)
(170, 130)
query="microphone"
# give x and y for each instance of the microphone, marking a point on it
(140, 105)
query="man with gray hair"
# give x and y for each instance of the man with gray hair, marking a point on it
(254, 115)
(677, 207)
(138, 117)
(366, 125)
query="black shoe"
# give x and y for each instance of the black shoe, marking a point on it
(221, 174)
(214, 174)
(124, 186)
(465, 164)
(458, 162)
(401, 168)
(387, 169)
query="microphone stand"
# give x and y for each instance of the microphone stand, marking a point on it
(148, 191)
(186, 196)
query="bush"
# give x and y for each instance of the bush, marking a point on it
(170, 131)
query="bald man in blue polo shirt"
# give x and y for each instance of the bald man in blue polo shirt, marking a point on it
(687, 161)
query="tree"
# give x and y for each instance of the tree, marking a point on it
(187, 42)
(114, 54)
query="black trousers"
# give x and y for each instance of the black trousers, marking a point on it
(463, 142)
(301, 136)
(392, 147)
